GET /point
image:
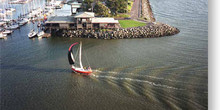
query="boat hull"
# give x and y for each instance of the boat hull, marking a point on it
(7, 32)
(32, 35)
(84, 72)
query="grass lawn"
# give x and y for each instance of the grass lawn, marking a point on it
(130, 23)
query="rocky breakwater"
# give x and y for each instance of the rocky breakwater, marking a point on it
(147, 13)
(151, 30)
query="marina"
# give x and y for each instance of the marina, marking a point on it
(31, 12)
(155, 73)
(78, 21)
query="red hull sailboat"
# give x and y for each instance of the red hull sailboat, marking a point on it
(80, 69)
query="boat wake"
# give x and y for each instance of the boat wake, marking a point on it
(140, 75)
(132, 79)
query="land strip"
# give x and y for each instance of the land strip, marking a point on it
(147, 13)
(136, 9)
(151, 30)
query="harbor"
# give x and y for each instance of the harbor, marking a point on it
(49, 22)
(27, 12)
(155, 73)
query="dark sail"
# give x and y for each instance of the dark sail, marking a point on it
(71, 60)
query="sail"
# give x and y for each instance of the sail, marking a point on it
(80, 55)
(70, 54)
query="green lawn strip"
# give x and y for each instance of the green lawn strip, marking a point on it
(130, 23)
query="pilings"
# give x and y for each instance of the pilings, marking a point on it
(151, 30)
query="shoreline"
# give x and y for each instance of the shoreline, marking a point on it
(143, 13)
(147, 12)
(151, 30)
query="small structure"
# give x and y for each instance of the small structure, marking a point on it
(74, 7)
(82, 20)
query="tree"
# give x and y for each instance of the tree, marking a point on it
(117, 6)
(87, 5)
(101, 10)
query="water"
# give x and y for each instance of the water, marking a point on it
(154, 73)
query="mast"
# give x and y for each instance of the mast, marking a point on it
(80, 54)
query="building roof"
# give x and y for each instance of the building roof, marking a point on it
(85, 15)
(75, 4)
(61, 19)
(104, 20)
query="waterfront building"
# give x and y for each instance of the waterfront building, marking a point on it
(81, 20)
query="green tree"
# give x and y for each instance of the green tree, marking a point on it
(117, 6)
(101, 10)
(87, 5)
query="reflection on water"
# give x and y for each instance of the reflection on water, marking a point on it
(158, 73)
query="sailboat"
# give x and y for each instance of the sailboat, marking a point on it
(71, 59)
(9, 10)
(22, 20)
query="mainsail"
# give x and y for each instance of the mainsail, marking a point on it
(80, 56)
(70, 54)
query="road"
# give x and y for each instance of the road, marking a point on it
(136, 9)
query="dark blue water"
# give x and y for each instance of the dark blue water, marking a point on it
(153, 73)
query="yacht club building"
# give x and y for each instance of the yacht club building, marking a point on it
(81, 20)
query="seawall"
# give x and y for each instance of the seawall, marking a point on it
(151, 30)
(147, 11)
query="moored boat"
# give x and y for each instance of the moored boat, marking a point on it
(12, 27)
(40, 34)
(3, 36)
(23, 21)
(7, 32)
(32, 34)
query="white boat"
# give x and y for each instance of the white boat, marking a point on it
(12, 27)
(23, 21)
(7, 32)
(10, 9)
(3, 36)
(40, 34)
(6, 20)
(32, 34)
(72, 61)
(9, 12)
(2, 14)
(2, 23)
